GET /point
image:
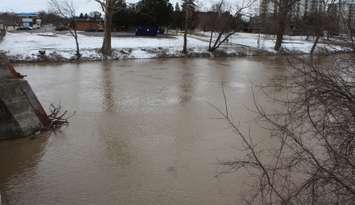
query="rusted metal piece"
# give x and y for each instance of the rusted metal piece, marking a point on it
(11, 72)
(15, 74)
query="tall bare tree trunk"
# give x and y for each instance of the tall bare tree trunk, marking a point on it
(315, 43)
(351, 32)
(78, 55)
(106, 45)
(279, 39)
(184, 50)
(210, 42)
(75, 35)
(66, 10)
(280, 30)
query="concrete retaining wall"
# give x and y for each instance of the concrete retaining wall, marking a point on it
(18, 109)
(4, 72)
(21, 114)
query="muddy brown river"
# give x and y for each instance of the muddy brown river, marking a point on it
(144, 132)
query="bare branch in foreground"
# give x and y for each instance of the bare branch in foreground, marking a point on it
(312, 161)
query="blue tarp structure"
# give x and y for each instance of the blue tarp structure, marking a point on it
(148, 31)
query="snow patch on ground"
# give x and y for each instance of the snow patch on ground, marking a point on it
(25, 46)
(296, 44)
(141, 54)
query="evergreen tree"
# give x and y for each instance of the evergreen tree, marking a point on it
(156, 12)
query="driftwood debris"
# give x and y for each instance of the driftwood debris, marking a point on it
(58, 117)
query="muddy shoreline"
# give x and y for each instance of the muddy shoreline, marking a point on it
(160, 54)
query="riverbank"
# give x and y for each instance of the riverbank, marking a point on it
(24, 47)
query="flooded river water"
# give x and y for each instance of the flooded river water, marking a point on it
(144, 132)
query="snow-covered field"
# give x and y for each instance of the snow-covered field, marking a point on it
(296, 44)
(25, 46)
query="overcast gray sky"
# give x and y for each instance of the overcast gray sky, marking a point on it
(86, 6)
(82, 5)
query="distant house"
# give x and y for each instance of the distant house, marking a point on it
(89, 24)
(206, 20)
(213, 21)
(29, 20)
(8, 21)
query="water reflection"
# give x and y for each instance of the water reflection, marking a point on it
(109, 104)
(143, 133)
(116, 146)
(186, 83)
(19, 159)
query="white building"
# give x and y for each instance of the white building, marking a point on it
(300, 9)
(29, 20)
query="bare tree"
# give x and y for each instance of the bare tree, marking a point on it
(347, 17)
(66, 9)
(224, 23)
(282, 12)
(108, 7)
(51, 18)
(351, 24)
(317, 21)
(188, 6)
(313, 159)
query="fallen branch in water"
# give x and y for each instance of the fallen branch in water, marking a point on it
(57, 117)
